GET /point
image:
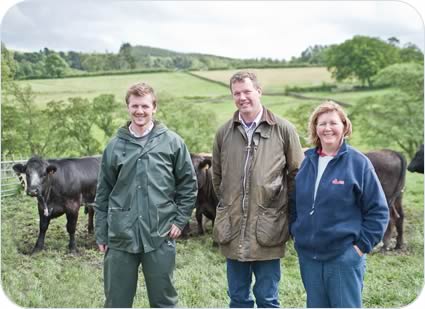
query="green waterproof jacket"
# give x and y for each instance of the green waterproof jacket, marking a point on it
(143, 190)
(252, 182)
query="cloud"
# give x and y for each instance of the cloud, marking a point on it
(240, 29)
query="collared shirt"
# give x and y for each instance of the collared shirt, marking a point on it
(249, 129)
(148, 130)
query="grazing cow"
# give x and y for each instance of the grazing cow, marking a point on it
(390, 166)
(417, 163)
(60, 187)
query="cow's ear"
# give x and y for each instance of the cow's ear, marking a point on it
(206, 163)
(19, 168)
(51, 169)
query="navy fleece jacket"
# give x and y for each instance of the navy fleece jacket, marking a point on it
(350, 206)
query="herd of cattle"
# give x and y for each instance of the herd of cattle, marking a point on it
(62, 186)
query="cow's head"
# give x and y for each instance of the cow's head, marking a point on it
(417, 163)
(37, 172)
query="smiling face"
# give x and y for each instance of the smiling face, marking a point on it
(141, 110)
(247, 98)
(330, 130)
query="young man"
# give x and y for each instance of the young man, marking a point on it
(145, 196)
(255, 158)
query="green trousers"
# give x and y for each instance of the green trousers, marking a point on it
(121, 275)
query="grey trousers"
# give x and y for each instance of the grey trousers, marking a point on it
(121, 275)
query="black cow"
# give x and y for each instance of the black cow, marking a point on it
(60, 187)
(417, 163)
(390, 166)
(206, 201)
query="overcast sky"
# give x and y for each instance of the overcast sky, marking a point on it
(239, 29)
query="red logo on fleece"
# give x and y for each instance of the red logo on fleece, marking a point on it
(337, 182)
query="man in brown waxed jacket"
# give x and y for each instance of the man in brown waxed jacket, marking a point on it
(256, 156)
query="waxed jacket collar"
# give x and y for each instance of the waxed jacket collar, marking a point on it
(267, 118)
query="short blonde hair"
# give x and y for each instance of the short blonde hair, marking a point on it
(326, 107)
(140, 90)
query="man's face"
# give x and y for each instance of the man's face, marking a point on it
(141, 110)
(246, 97)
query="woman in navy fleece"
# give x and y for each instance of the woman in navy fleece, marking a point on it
(338, 212)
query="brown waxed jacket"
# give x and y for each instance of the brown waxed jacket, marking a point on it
(252, 183)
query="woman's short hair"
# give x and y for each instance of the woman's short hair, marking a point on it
(140, 90)
(326, 107)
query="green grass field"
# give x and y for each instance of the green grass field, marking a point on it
(54, 278)
(178, 85)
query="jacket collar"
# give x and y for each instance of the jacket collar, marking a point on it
(124, 133)
(265, 124)
(314, 152)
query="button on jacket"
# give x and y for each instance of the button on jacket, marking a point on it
(143, 190)
(252, 182)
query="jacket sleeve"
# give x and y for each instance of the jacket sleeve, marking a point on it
(186, 186)
(216, 166)
(105, 184)
(294, 155)
(375, 212)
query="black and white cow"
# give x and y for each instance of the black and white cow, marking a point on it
(61, 186)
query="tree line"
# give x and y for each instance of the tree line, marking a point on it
(48, 63)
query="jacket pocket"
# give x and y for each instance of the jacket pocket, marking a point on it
(119, 224)
(272, 227)
(222, 232)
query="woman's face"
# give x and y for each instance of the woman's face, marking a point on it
(330, 129)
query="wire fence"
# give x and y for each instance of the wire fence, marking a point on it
(10, 183)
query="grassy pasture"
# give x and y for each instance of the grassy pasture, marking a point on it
(275, 80)
(56, 279)
(178, 85)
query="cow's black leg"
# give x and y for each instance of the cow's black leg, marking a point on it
(90, 224)
(198, 215)
(399, 224)
(43, 226)
(71, 226)
(388, 234)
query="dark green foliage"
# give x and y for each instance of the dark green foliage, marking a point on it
(360, 57)
(395, 120)
(55, 66)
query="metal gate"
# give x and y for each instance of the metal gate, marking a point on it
(10, 183)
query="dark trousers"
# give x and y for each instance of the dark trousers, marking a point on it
(121, 275)
(239, 278)
(336, 283)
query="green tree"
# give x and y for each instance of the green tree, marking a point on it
(125, 53)
(299, 116)
(104, 109)
(411, 53)
(55, 66)
(8, 66)
(195, 125)
(24, 126)
(397, 118)
(361, 57)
